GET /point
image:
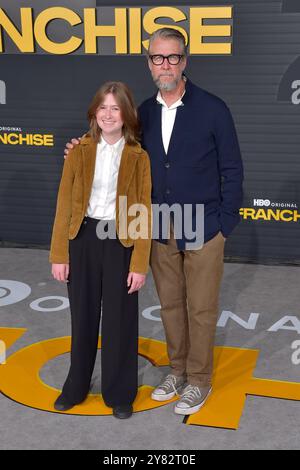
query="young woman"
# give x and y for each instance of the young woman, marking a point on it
(107, 166)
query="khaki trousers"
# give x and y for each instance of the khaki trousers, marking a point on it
(188, 284)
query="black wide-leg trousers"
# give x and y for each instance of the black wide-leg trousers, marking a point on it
(98, 272)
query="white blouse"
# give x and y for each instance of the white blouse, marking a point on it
(102, 203)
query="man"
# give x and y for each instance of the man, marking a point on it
(195, 158)
(190, 137)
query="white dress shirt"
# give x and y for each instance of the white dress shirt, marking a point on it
(102, 203)
(168, 115)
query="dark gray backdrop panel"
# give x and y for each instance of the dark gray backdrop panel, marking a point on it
(50, 94)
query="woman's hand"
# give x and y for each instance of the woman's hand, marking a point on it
(135, 281)
(60, 272)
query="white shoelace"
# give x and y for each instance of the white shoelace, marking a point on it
(170, 381)
(191, 393)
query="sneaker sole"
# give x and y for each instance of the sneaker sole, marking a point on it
(194, 409)
(158, 397)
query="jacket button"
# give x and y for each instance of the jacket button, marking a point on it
(167, 165)
(168, 191)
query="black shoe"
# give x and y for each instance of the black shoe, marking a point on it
(122, 411)
(62, 405)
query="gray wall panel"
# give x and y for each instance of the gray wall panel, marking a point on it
(47, 93)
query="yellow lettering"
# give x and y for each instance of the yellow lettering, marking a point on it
(11, 335)
(261, 214)
(135, 30)
(93, 31)
(20, 380)
(296, 216)
(198, 30)
(286, 216)
(3, 139)
(38, 140)
(151, 26)
(247, 213)
(27, 139)
(20, 376)
(273, 215)
(40, 29)
(11, 138)
(128, 37)
(48, 140)
(24, 41)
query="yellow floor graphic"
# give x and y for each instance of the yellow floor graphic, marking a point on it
(233, 381)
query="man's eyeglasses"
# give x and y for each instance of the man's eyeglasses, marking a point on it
(173, 59)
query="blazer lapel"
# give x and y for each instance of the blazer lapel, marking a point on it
(157, 129)
(126, 171)
(127, 166)
(179, 124)
(89, 162)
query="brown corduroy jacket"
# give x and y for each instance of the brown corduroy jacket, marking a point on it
(134, 182)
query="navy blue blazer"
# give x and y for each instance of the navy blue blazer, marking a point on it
(203, 164)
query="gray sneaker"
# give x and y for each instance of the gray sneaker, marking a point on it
(192, 399)
(170, 387)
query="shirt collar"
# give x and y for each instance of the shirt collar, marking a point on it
(118, 146)
(178, 103)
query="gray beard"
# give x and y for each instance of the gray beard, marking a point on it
(166, 86)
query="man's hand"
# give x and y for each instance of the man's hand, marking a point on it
(135, 281)
(60, 272)
(71, 145)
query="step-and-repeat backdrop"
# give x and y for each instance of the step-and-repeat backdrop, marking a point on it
(55, 54)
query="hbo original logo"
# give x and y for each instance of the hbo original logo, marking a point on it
(262, 202)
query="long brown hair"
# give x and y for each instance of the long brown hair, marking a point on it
(124, 99)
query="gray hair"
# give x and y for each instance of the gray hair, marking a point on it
(169, 33)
